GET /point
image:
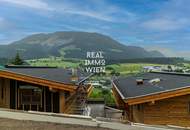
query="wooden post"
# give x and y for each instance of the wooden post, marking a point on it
(131, 113)
(61, 102)
(44, 99)
(16, 95)
(37, 107)
(51, 101)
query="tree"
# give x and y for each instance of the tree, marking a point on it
(113, 72)
(117, 74)
(17, 60)
(169, 68)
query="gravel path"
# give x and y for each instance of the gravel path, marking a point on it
(10, 124)
(11, 120)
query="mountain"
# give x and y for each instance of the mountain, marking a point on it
(73, 45)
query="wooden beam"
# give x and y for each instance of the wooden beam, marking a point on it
(52, 102)
(89, 90)
(118, 99)
(61, 102)
(158, 96)
(35, 80)
(44, 90)
(16, 93)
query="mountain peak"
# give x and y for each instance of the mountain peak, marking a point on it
(72, 45)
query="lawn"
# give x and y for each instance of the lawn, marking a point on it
(123, 69)
(57, 62)
(128, 68)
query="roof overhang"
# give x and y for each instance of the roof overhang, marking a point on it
(118, 91)
(158, 96)
(152, 97)
(38, 81)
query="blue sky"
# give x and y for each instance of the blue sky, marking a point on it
(163, 25)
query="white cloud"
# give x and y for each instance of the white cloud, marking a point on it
(89, 13)
(36, 4)
(4, 24)
(100, 11)
(172, 15)
(168, 52)
(164, 24)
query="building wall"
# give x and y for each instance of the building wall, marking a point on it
(138, 113)
(52, 100)
(4, 93)
(172, 111)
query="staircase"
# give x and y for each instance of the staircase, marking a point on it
(77, 102)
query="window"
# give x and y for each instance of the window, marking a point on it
(30, 95)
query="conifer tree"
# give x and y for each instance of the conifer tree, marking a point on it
(17, 60)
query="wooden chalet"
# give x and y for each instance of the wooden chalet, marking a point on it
(154, 98)
(47, 89)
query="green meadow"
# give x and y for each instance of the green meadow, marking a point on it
(123, 68)
(128, 68)
(55, 62)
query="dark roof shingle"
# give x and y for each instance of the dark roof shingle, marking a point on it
(49, 73)
(128, 87)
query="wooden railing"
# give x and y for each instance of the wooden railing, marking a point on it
(69, 101)
(77, 99)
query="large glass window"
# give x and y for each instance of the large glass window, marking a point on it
(30, 95)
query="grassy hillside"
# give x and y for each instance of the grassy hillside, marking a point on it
(123, 68)
(128, 68)
(55, 61)
(72, 45)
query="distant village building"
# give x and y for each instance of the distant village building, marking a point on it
(157, 98)
(47, 89)
(152, 68)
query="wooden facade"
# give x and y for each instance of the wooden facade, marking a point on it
(23, 92)
(157, 110)
(25, 96)
(5, 93)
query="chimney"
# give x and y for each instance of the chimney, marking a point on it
(139, 81)
(74, 76)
